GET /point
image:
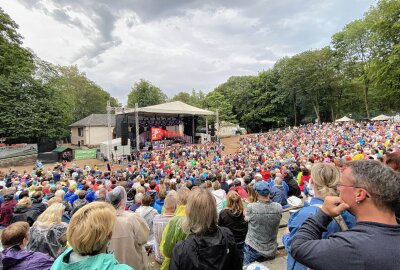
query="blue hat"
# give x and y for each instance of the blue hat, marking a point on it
(262, 188)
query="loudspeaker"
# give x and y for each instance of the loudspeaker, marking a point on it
(124, 133)
(212, 131)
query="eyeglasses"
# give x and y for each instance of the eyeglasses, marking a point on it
(341, 185)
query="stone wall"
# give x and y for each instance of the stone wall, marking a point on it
(18, 161)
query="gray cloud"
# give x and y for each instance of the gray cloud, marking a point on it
(183, 44)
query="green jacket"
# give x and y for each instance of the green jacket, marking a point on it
(172, 234)
(102, 261)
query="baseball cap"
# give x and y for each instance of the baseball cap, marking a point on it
(262, 188)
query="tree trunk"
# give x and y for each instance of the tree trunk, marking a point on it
(316, 109)
(332, 113)
(294, 111)
(366, 99)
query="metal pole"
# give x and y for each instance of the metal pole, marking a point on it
(217, 124)
(109, 129)
(206, 125)
(137, 127)
(193, 129)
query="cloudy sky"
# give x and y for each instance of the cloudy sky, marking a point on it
(178, 45)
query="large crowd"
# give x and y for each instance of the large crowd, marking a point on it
(194, 208)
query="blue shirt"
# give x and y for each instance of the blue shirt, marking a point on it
(297, 219)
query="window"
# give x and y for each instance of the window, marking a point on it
(80, 132)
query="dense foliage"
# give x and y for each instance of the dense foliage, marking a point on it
(38, 99)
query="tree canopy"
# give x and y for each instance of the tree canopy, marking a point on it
(145, 94)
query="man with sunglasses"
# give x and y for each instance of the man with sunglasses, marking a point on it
(370, 191)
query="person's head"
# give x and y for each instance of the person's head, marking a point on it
(216, 185)
(162, 193)
(393, 161)
(183, 194)
(138, 198)
(140, 189)
(82, 194)
(234, 203)
(170, 204)
(37, 195)
(262, 189)
(54, 200)
(24, 202)
(90, 228)
(16, 234)
(366, 182)
(325, 177)
(146, 201)
(201, 212)
(52, 215)
(117, 197)
(60, 194)
(278, 181)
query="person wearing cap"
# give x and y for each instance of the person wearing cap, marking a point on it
(263, 217)
(130, 232)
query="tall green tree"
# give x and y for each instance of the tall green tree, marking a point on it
(145, 94)
(354, 45)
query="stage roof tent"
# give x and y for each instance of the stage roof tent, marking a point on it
(175, 107)
(344, 119)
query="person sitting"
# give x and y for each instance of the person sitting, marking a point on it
(48, 233)
(37, 204)
(130, 232)
(325, 177)
(232, 217)
(81, 201)
(369, 190)
(207, 246)
(24, 212)
(263, 217)
(278, 193)
(88, 234)
(7, 209)
(14, 256)
(237, 186)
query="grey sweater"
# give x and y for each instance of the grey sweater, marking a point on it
(263, 218)
(368, 245)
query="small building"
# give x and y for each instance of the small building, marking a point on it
(91, 130)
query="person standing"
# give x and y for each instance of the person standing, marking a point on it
(130, 232)
(263, 217)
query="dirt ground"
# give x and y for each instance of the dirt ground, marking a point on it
(231, 146)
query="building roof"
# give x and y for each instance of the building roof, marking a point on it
(175, 107)
(94, 120)
(60, 149)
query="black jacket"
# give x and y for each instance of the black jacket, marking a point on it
(236, 224)
(38, 205)
(25, 214)
(216, 250)
(294, 189)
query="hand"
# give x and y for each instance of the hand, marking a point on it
(333, 206)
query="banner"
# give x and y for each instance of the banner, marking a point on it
(85, 154)
(16, 150)
(158, 134)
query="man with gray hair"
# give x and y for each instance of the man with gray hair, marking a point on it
(370, 191)
(130, 232)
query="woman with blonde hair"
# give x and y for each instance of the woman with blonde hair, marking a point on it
(89, 233)
(207, 246)
(324, 179)
(48, 232)
(252, 195)
(232, 217)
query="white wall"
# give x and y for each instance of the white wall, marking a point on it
(91, 135)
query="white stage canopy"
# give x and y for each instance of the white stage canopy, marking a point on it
(175, 107)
